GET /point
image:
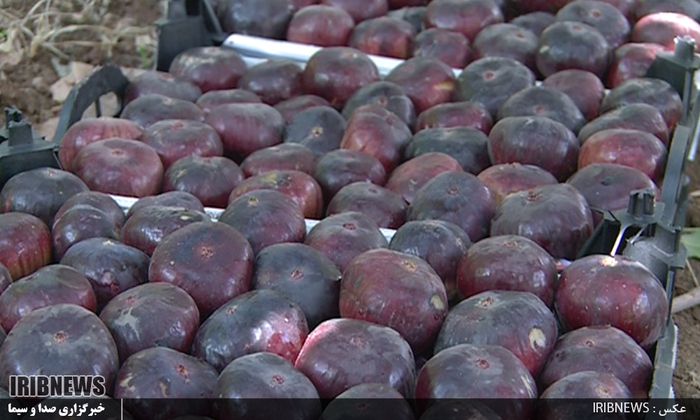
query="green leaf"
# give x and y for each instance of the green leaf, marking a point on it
(690, 238)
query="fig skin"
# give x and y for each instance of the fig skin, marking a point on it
(386, 208)
(662, 28)
(149, 109)
(344, 236)
(256, 321)
(588, 385)
(246, 128)
(339, 168)
(456, 197)
(145, 229)
(654, 92)
(90, 130)
(263, 18)
(161, 372)
(540, 101)
(507, 178)
(534, 21)
(211, 261)
(215, 98)
(363, 295)
(318, 128)
(467, 17)
(441, 244)
(452, 48)
(491, 81)
(40, 192)
(51, 285)
(273, 81)
(297, 185)
(473, 371)
(5, 281)
(583, 87)
(427, 81)
(507, 262)
(336, 73)
(517, 321)
(302, 274)
(249, 384)
(573, 45)
(371, 401)
(608, 19)
(209, 68)
(413, 174)
(180, 199)
(110, 266)
(178, 139)
(360, 11)
(341, 353)
(25, 244)
(210, 179)
(120, 167)
(534, 140)
(78, 224)
(265, 217)
(151, 315)
(292, 106)
(468, 146)
(607, 186)
(285, 156)
(631, 61)
(604, 349)
(456, 114)
(386, 94)
(384, 36)
(161, 83)
(507, 40)
(556, 217)
(637, 116)
(98, 200)
(633, 148)
(321, 25)
(378, 132)
(611, 284)
(62, 339)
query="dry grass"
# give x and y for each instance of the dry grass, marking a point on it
(56, 26)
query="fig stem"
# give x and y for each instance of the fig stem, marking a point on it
(686, 301)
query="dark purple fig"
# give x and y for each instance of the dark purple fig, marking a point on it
(256, 321)
(556, 217)
(210, 179)
(210, 68)
(385, 94)
(468, 146)
(302, 274)
(266, 217)
(98, 200)
(283, 157)
(216, 98)
(291, 107)
(456, 197)
(386, 208)
(655, 92)
(158, 373)
(25, 244)
(211, 261)
(40, 192)
(508, 178)
(50, 285)
(78, 224)
(518, 321)
(61, 339)
(273, 81)
(441, 244)
(369, 401)
(177, 139)
(410, 176)
(342, 237)
(263, 18)
(456, 114)
(149, 226)
(507, 262)
(318, 128)
(249, 384)
(339, 168)
(149, 109)
(540, 101)
(151, 315)
(161, 83)
(452, 48)
(180, 199)
(342, 353)
(110, 266)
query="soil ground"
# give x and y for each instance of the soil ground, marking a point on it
(26, 80)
